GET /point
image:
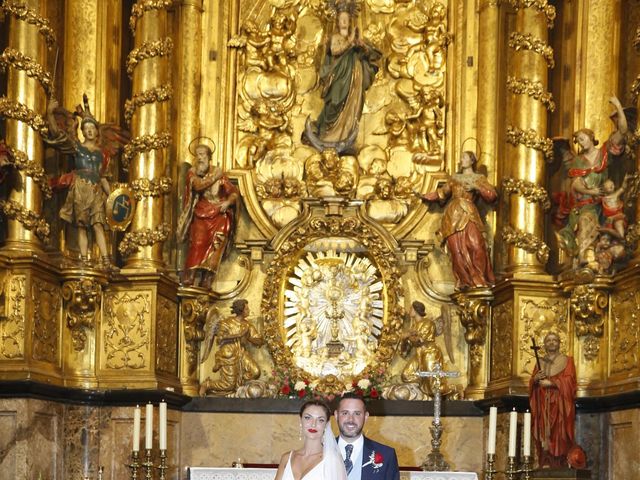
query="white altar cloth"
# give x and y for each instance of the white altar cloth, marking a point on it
(212, 473)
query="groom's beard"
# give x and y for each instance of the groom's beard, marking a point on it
(347, 430)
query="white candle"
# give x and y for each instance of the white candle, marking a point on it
(163, 425)
(526, 441)
(513, 429)
(136, 429)
(148, 433)
(493, 422)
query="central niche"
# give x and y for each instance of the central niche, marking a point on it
(333, 310)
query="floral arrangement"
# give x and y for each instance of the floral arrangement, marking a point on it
(368, 386)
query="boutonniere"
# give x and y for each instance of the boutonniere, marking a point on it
(376, 460)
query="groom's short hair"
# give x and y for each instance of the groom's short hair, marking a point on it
(352, 396)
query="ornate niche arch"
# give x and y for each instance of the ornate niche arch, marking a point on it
(331, 299)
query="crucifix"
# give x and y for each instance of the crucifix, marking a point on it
(435, 462)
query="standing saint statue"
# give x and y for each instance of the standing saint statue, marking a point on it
(552, 394)
(461, 227)
(207, 218)
(87, 183)
(348, 71)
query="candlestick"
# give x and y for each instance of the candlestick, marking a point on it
(134, 465)
(163, 465)
(526, 440)
(513, 429)
(163, 425)
(148, 465)
(490, 471)
(493, 421)
(148, 433)
(136, 429)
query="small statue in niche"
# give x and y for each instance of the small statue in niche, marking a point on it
(207, 218)
(233, 362)
(461, 227)
(88, 183)
(348, 71)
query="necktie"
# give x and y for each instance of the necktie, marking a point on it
(348, 464)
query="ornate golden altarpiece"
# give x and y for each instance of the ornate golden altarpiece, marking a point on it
(508, 74)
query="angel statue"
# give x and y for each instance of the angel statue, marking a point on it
(207, 218)
(347, 73)
(233, 361)
(580, 206)
(88, 182)
(421, 336)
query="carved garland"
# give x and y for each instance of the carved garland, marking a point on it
(529, 138)
(519, 41)
(540, 5)
(21, 161)
(530, 191)
(526, 241)
(145, 187)
(145, 143)
(30, 220)
(132, 241)
(280, 266)
(149, 49)
(533, 89)
(22, 12)
(20, 112)
(19, 61)
(139, 8)
(156, 94)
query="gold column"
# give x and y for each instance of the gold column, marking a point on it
(188, 92)
(29, 36)
(526, 132)
(148, 66)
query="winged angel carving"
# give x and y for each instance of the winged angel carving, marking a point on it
(88, 182)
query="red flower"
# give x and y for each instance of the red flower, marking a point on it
(301, 393)
(359, 392)
(285, 390)
(373, 393)
(378, 458)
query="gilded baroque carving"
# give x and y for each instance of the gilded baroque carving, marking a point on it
(22, 12)
(22, 113)
(532, 192)
(154, 187)
(141, 6)
(635, 91)
(519, 41)
(315, 232)
(132, 241)
(474, 314)
(194, 312)
(30, 220)
(166, 336)
(13, 58)
(162, 93)
(149, 49)
(540, 316)
(532, 88)
(542, 6)
(527, 241)
(12, 324)
(46, 302)
(82, 299)
(625, 334)
(502, 341)
(589, 308)
(21, 161)
(126, 335)
(145, 143)
(529, 138)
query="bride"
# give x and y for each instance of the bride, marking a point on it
(319, 457)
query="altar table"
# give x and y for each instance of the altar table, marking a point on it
(211, 473)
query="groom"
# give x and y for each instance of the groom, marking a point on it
(364, 459)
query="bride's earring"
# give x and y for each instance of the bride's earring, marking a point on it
(300, 433)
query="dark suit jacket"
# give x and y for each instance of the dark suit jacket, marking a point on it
(389, 469)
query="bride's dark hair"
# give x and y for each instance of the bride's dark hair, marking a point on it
(316, 402)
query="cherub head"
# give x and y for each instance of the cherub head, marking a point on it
(608, 186)
(331, 159)
(384, 189)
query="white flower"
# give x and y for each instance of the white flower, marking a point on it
(314, 384)
(364, 383)
(300, 385)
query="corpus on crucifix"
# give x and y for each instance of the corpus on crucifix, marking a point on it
(435, 462)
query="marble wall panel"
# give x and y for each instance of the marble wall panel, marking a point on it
(623, 440)
(590, 436)
(8, 453)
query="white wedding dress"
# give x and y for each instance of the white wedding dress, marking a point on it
(316, 473)
(331, 467)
